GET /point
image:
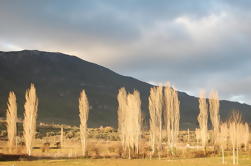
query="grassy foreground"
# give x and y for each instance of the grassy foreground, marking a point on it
(244, 161)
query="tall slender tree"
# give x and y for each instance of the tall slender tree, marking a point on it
(214, 107)
(156, 109)
(222, 139)
(137, 119)
(172, 116)
(129, 113)
(246, 136)
(176, 120)
(203, 119)
(11, 119)
(233, 136)
(83, 115)
(30, 117)
(133, 122)
(122, 102)
(234, 133)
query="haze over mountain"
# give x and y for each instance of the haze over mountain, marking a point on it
(59, 78)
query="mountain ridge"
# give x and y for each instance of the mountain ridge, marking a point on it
(59, 79)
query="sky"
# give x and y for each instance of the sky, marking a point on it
(193, 44)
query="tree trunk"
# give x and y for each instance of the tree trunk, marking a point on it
(233, 156)
(237, 155)
(129, 153)
(223, 156)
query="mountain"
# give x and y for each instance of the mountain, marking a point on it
(59, 78)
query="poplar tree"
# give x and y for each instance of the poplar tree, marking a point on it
(129, 118)
(11, 119)
(156, 112)
(83, 115)
(172, 116)
(30, 117)
(214, 106)
(203, 119)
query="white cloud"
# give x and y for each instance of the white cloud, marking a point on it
(239, 98)
(6, 46)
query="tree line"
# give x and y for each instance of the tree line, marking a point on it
(164, 110)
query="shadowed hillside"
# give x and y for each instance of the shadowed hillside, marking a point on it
(59, 79)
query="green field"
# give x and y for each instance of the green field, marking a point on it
(244, 161)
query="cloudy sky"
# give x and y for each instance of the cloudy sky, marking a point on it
(194, 44)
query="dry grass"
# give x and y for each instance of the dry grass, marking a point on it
(215, 161)
(103, 148)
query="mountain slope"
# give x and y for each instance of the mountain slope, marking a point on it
(59, 79)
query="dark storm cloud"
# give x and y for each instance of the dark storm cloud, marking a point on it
(194, 44)
(95, 19)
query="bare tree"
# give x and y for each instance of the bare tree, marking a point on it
(83, 115)
(137, 119)
(203, 119)
(246, 136)
(234, 133)
(11, 119)
(176, 117)
(129, 113)
(133, 122)
(156, 109)
(222, 139)
(168, 112)
(153, 124)
(122, 102)
(214, 106)
(233, 138)
(30, 116)
(172, 116)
